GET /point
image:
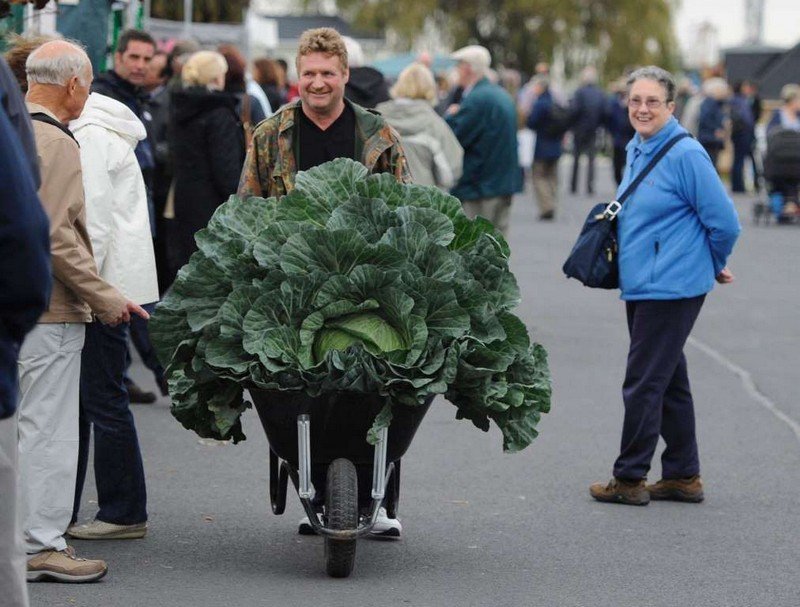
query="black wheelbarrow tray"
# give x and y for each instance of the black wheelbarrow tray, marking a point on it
(324, 439)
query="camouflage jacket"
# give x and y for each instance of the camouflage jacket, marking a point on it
(270, 165)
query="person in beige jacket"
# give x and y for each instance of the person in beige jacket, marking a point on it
(59, 76)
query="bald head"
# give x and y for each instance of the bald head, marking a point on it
(59, 77)
(57, 61)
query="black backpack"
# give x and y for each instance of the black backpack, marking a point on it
(558, 122)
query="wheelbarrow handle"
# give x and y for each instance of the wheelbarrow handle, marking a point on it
(305, 489)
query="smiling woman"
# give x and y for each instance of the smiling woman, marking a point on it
(651, 103)
(675, 234)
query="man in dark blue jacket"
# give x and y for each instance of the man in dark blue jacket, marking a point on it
(547, 150)
(711, 129)
(743, 135)
(588, 107)
(124, 83)
(24, 292)
(485, 124)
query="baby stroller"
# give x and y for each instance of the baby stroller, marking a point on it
(782, 172)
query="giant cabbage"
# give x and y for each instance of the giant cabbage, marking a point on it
(351, 282)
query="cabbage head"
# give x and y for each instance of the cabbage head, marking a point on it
(351, 282)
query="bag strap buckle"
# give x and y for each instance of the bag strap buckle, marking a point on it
(612, 209)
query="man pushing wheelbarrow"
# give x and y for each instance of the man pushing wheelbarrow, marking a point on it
(344, 299)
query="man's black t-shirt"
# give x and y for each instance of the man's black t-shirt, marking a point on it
(317, 146)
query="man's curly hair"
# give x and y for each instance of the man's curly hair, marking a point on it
(324, 40)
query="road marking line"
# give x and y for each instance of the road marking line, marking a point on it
(749, 385)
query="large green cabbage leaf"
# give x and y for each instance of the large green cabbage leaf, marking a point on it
(351, 282)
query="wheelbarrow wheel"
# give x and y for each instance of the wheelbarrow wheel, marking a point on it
(341, 511)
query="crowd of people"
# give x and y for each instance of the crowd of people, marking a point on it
(726, 116)
(130, 163)
(721, 116)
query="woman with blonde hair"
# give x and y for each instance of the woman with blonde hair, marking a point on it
(207, 146)
(434, 155)
(205, 68)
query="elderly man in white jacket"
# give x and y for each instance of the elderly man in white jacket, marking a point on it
(119, 228)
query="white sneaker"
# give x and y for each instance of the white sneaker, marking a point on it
(386, 527)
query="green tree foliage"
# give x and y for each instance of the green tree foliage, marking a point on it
(204, 11)
(612, 34)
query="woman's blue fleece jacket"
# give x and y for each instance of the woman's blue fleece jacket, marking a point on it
(679, 226)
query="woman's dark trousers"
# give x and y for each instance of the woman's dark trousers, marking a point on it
(118, 469)
(656, 392)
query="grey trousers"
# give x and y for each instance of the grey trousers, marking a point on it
(49, 381)
(545, 184)
(12, 554)
(496, 209)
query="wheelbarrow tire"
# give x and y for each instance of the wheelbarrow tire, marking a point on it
(341, 512)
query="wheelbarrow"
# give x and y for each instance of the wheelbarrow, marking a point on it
(342, 481)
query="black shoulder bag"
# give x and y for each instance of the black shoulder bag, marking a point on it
(593, 259)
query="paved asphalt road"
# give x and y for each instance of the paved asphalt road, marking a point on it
(487, 529)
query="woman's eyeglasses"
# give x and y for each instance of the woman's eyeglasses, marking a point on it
(652, 104)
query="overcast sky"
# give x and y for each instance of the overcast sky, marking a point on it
(781, 20)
